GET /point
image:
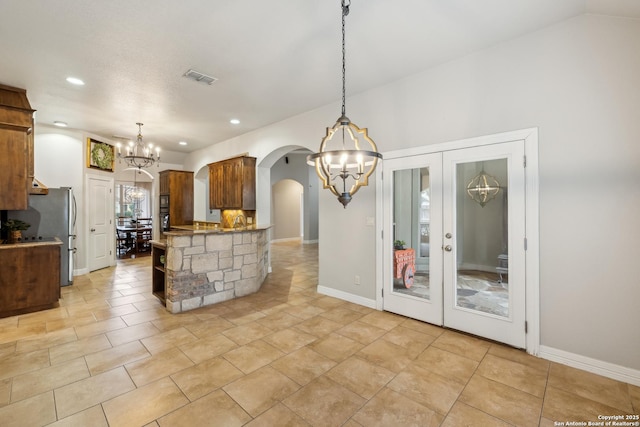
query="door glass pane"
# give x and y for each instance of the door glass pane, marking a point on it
(411, 217)
(482, 256)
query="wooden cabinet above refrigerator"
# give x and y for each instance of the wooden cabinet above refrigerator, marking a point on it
(232, 184)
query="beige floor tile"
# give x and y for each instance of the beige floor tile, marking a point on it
(520, 356)
(501, 401)
(383, 319)
(246, 333)
(634, 392)
(415, 342)
(288, 340)
(91, 391)
(36, 411)
(209, 327)
(145, 404)
(5, 391)
(158, 366)
(47, 340)
(260, 390)
(70, 322)
(41, 317)
(20, 363)
(447, 364)
(336, 347)
(318, 326)
(591, 386)
(342, 315)
(98, 328)
(389, 408)
(46, 379)
(241, 317)
(513, 374)
(93, 417)
(360, 376)
(72, 350)
(362, 332)
(427, 388)
(7, 349)
(126, 300)
(279, 415)
(208, 348)
(461, 344)
(465, 415)
(303, 365)
(324, 402)
(199, 413)
(560, 405)
(132, 333)
(175, 321)
(18, 333)
(279, 320)
(425, 328)
(252, 356)
(386, 354)
(110, 358)
(303, 310)
(167, 340)
(205, 377)
(157, 312)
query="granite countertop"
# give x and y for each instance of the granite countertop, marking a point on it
(30, 244)
(177, 230)
(162, 243)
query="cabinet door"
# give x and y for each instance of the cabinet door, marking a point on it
(216, 191)
(232, 184)
(13, 170)
(181, 194)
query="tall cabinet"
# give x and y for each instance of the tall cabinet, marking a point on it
(176, 196)
(16, 146)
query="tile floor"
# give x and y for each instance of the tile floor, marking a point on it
(286, 356)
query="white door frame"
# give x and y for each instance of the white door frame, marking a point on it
(532, 255)
(111, 183)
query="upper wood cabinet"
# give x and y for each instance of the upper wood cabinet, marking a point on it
(178, 187)
(16, 146)
(232, 184)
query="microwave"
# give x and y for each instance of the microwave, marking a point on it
(164, 200)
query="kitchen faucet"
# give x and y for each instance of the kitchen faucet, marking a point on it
(239, 218)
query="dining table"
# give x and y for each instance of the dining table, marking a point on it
(138, 237)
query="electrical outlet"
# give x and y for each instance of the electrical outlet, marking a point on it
(356, 280)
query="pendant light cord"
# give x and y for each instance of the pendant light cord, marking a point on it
(345, 12)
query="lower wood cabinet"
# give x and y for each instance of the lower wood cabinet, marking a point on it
(29, 278)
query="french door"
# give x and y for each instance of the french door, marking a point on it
(460, 216)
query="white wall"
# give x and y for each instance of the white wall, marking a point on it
(286, 199)
(577, 82)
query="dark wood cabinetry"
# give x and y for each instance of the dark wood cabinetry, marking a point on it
(16, 145)
(176, 196)
(29, 278)
(232, 184)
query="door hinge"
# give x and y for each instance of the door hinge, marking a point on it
(524, 161)
(525, 243)
(382, 292)
(526, 327)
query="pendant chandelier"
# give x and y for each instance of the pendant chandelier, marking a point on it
(483, 188)
(137, 154)
(348, 161)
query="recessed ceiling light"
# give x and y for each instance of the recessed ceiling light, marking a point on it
(75, 81)
(60, 124)
(182, 142)
(234, 121)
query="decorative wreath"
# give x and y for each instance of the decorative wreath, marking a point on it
(102, 155)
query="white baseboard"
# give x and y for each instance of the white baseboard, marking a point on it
(80, 271)
(309, 242)
(286, 239)
(606, 369)
(345, 296)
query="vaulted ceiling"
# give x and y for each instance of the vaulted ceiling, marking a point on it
(273, 58)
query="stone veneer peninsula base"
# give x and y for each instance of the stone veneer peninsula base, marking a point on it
(204, 267)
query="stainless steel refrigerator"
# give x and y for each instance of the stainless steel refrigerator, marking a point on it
(52, 215)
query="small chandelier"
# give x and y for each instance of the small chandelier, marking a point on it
(483, 188)
(137, 154)
(348, 161)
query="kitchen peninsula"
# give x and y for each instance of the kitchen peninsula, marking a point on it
(199, 266)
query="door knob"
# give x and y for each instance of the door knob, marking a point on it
(448, 248)
(93, 229)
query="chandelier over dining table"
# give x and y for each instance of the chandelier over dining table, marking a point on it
(137, 154)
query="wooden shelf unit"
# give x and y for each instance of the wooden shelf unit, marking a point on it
(158, 277)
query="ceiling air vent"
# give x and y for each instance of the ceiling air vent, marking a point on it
(199, 77)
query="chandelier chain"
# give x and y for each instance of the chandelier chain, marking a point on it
(345, 12)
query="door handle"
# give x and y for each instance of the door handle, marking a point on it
(448, 248)
(93, 229)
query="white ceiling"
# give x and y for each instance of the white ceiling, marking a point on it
(273, 58)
